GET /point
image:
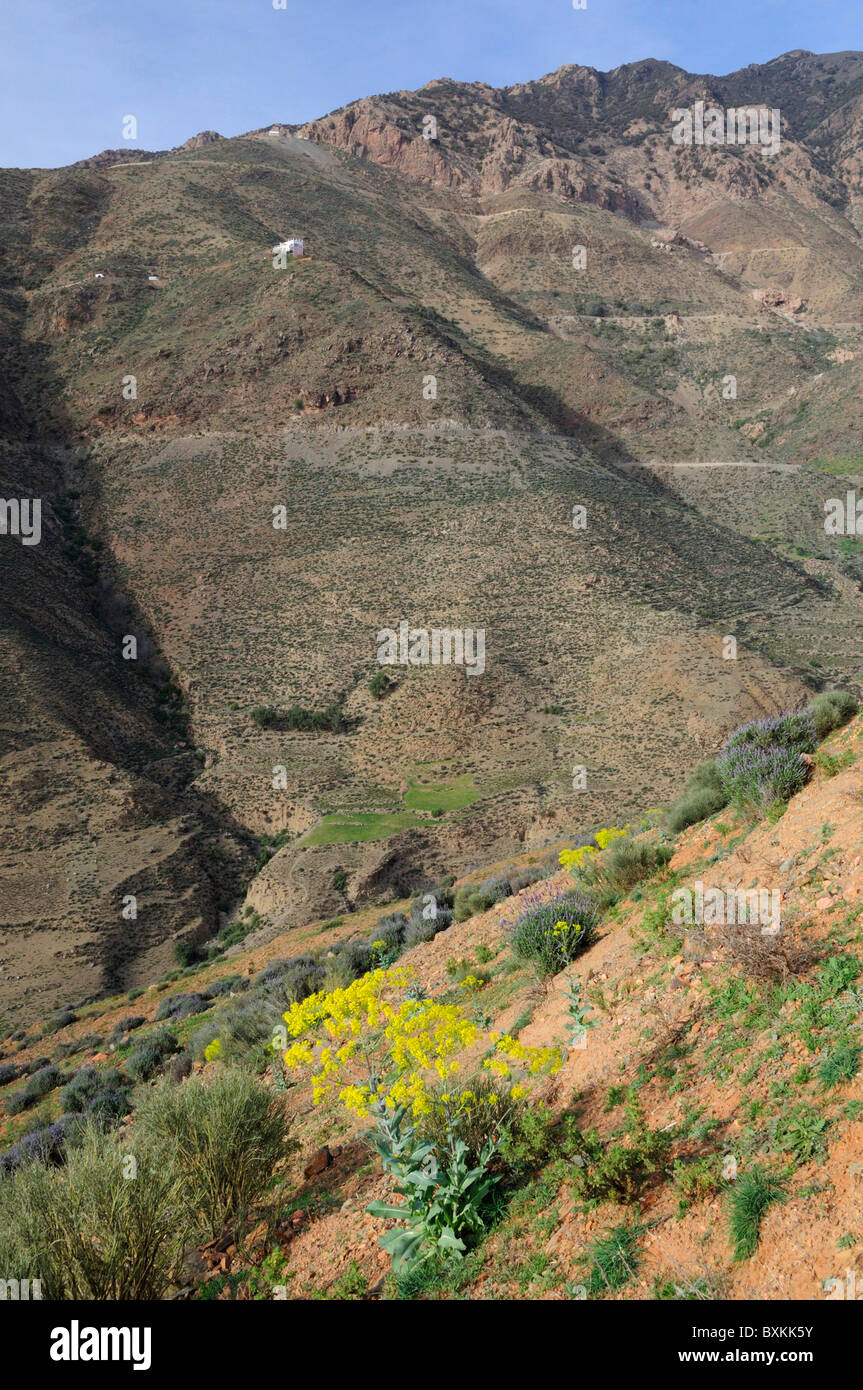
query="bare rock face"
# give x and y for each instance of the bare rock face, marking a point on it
(571, 180)
(775, 299)
(511, 153)
(370, 132)
(318, 1163)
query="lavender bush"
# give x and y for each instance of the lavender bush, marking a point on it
(551, 932)
(763, 762)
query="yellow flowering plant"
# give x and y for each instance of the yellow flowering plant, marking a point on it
(580, 856)
(374, 1043)
(385, 1052)
(618, 858)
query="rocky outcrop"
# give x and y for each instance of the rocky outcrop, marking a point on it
(196, 142)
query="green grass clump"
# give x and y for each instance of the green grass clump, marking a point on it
(749, 1199)
(839, 1066)
(611, 1261)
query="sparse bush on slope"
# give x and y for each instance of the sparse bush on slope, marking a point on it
(45, 1144)
(244, 1029)
(617, 1169)
(226, 1136)
(90, 1230)
(179, 1006)
(615, 862)
(830, 710)
(761, 762)
(628, 861)
(472, 898)
(150, 1054)
(38, 1085)
(101, 1093)
(702, 796)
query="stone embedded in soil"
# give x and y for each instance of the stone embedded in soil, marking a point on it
(319, 1160)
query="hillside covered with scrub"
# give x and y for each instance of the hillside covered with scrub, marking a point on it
(547, 375)
(629, 1068)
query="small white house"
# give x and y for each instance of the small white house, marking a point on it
(100, 275)
(154, 278)
(294, 247)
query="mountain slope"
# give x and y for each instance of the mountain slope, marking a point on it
(424, 398)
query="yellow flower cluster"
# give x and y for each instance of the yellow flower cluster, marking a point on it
(368, 1045)
(213, 1051)
(577, 858)
(508, 1051)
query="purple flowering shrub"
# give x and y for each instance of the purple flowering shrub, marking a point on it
(763, 762)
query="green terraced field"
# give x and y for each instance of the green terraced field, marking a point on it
(446, 796)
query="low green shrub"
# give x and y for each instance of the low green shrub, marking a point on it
(226, 1134)
(702, 796)
(694, 1181)
(60, 1020)
(475, 1124)
(617, 1169)
(627, 861)
(471, 899)
(264, 716)
(803, 1133)
(38, 1085)
(151, 1053)
(329, 719)
(244, 1028)
(179, 1006)
(830, 710)
(102, 1094)
(90, 1230)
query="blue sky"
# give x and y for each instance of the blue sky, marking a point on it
(70, 70)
